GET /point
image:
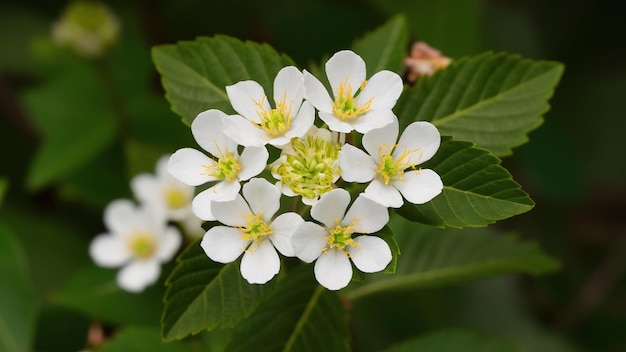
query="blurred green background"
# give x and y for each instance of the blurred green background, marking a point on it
(573, 166)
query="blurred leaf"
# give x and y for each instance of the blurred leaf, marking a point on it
(298, 315)
(94, 292)
(141, 339)
(202, 294)
(71, 112)
(4, 185)
(442, 257)
(18, 29)
(477, 190)
(18, 304)
(385, 47)
(54, 321)
(493, 100)
(195, 74)
(455, 340)
(455, 27)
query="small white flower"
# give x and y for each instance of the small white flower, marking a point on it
(259, 123)
(226, 166)
(308, 166)
(336, 241)
(163, 191)
(391, 167)
(252, 228)
(138, 240)
(358, 104)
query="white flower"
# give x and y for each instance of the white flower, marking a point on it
(252, 229)
(358, 104)
(336, 241)
(391, 167)
(259, 123)
(163, 191)
(226, 166)
(138, 240)
(308, 166)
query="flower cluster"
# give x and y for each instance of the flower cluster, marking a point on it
(139, 238)
(314, 164)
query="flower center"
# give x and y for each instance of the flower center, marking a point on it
(142, 245)
(256, 228)
(340, 237)
(175, 198)
(275, 122)
(311, 171)
(346, 105)
(226, 168)
(389, 168)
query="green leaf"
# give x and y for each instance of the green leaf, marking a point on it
(72, 114)
(195, 74)
(203, 294)
(94, 292)
(491, 99)
(18, 304)
(477, 190)
(298, 315)
(455, 340)
(140, 339)
(385, 47)
(435, 257)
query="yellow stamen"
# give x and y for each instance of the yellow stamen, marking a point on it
(392, 169)
(275, 122)
(142, 245)
(346, 105)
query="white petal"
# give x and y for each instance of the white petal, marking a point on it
(316, 93)
(260, 263)
(371, 254)
(373, 119)
(333, 269)
(109, 251)
(244, 97)
(368, 215)
(253, 161)
(310, 201)
(420, 137)
(231, 213)
(345, 65)
(381, 140)
(168, 244)
(190, 167)
(145, 188)
(207, 131)
(289, 86)
(309, 240)
(419, 186)
(300, 125)
(223, 244)
(385, 88)
(161, 167)
(201, 205)
(385, 195)
(356, 165)
(283, 228)
(138, 274)
(263, 197)
(331, 207)
(334, 124)
(224, 191)
(120, 216)
(244, 132)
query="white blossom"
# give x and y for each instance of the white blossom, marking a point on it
(390, 167)
(224, 164)
(138, 240)
(252, 228)
(357, 104)
(258, 123)
(337, 239)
